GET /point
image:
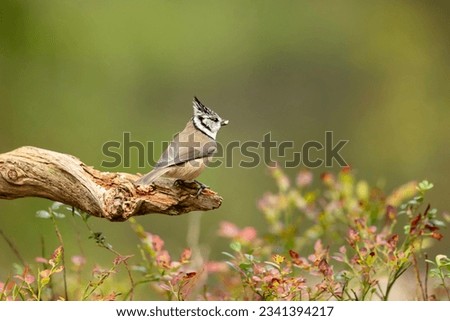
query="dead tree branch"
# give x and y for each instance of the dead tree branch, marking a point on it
(32, 171)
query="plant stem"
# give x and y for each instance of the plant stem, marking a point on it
(109, 247)
(426, 276)
(419, 280)
(402, 269)
(442, 276)
(60, 239)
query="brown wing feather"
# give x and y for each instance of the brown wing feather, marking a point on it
(188, 145)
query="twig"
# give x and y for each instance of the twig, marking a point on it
(101, 242)
(60, 240)
(46, 265)
(130, 277)
(419, 280)
(398, 273)
(427, 266)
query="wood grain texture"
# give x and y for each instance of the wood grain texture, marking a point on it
(35, 172)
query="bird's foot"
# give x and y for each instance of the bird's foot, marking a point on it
(179, 182)
(201, 187)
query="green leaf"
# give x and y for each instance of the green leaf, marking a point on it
(43, 214)
(439, 223)
(45, 281)
(272, 264)
(58, 269)
(74, 211)
(56, 205)
(245, 266)
(232, 265)
(57, 254)
(139, 268)
(249, 257)
(59, 215)
(18, 269)
(236, 246)
(442, 260)
(425, 186)
(229, 255)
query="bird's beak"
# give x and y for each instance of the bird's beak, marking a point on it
(224, 122)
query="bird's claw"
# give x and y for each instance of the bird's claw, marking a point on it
(178, 182)
(201, 186)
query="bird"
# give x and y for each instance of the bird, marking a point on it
(190, 150)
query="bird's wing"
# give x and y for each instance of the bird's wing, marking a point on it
(183, 150)
(152, 176)
(178, 152)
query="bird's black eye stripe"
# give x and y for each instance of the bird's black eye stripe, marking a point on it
(204, 123)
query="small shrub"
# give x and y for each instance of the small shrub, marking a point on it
(362, 241)
(343, 240)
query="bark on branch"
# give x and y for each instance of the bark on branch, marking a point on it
(31, 171)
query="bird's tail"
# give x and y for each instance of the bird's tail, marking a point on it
(149, 178)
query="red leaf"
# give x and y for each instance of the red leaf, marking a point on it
(415, 221)
(391, 212)
(431, 228)
(392, 241)
(228, 230)
(294, 254)
(41, 260)
(346, 169)
(185, 255)
(119, 259)
(327, 178)
(56, 256)
(248, 233)
(436, 235)
(325, 268)
(157, 242)
(304, 178)
(78, 260)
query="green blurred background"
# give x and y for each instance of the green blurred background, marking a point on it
(76, 74)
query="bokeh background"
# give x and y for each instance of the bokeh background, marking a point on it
(76, 74)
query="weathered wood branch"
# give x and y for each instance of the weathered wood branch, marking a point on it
(31, 171)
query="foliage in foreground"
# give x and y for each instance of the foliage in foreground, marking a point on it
(341, 241)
